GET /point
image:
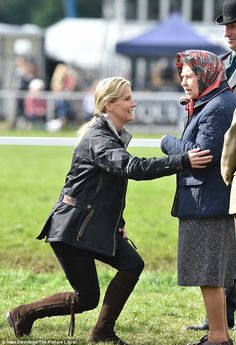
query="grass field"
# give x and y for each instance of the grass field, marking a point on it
(31, 180)
(155, 314)
(158, 310)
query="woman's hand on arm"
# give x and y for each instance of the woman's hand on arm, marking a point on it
(199, 159)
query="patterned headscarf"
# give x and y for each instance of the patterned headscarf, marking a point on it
(208, 68)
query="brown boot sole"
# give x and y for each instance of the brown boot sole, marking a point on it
(12, 325)
(107, 339)
(10, 322)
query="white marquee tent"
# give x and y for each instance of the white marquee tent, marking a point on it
(87, 43)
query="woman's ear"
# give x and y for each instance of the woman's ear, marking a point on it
(109, 106)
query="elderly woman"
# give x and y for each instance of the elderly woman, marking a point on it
(206, 245)
(87, 221)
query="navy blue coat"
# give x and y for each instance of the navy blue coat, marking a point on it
(202, 192)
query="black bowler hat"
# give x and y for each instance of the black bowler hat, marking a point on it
(228, 13)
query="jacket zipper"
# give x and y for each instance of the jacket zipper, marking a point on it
(91, 212)
(84, 224)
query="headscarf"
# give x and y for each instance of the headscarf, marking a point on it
(208, 68)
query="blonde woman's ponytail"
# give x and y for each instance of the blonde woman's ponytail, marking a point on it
(84, 128)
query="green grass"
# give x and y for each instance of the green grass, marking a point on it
(31, 180)
(155, 314)
(157, 311)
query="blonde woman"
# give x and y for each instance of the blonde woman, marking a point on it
(87, 223)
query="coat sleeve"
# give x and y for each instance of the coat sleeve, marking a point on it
(108, 153)
(228, 159)
(210, 130)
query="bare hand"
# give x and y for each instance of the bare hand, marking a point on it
(123, 233)
(199, 159)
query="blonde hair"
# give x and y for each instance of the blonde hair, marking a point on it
(107, 90)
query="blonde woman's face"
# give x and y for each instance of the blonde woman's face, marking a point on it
(122, 110)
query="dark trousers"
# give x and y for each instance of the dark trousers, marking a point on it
(80, 269)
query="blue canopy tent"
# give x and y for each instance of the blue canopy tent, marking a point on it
(165, 40)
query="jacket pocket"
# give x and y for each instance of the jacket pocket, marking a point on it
(189, 196)
(68, 221)
(189, 202)
(83, 225)
(191, 181)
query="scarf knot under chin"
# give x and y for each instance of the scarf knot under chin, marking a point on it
(189, 104)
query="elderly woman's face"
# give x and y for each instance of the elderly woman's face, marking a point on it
(189, 82)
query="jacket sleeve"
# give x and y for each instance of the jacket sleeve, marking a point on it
(210, 129)
(228, 159)
(109, 154)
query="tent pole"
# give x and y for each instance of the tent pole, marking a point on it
(133, 72)
(148, 74)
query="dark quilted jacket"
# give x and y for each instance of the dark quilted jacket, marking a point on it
(202, 192)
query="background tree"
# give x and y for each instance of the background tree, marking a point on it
(45, 12)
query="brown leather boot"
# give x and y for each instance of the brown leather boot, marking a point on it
(21, 319)
(115, 298)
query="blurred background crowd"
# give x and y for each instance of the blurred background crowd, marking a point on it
(51, 56)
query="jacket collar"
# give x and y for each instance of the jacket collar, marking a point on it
(225, 55)
(205, 99)
(226, 59)
(123, 135)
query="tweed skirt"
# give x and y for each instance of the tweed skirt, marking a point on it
(207, 252)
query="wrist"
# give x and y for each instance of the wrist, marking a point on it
(186, 161)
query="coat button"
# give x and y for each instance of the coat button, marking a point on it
(89, 206)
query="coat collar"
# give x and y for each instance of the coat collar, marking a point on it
(232, 80)
(123, 135)
(226, 59)
(205, 99)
